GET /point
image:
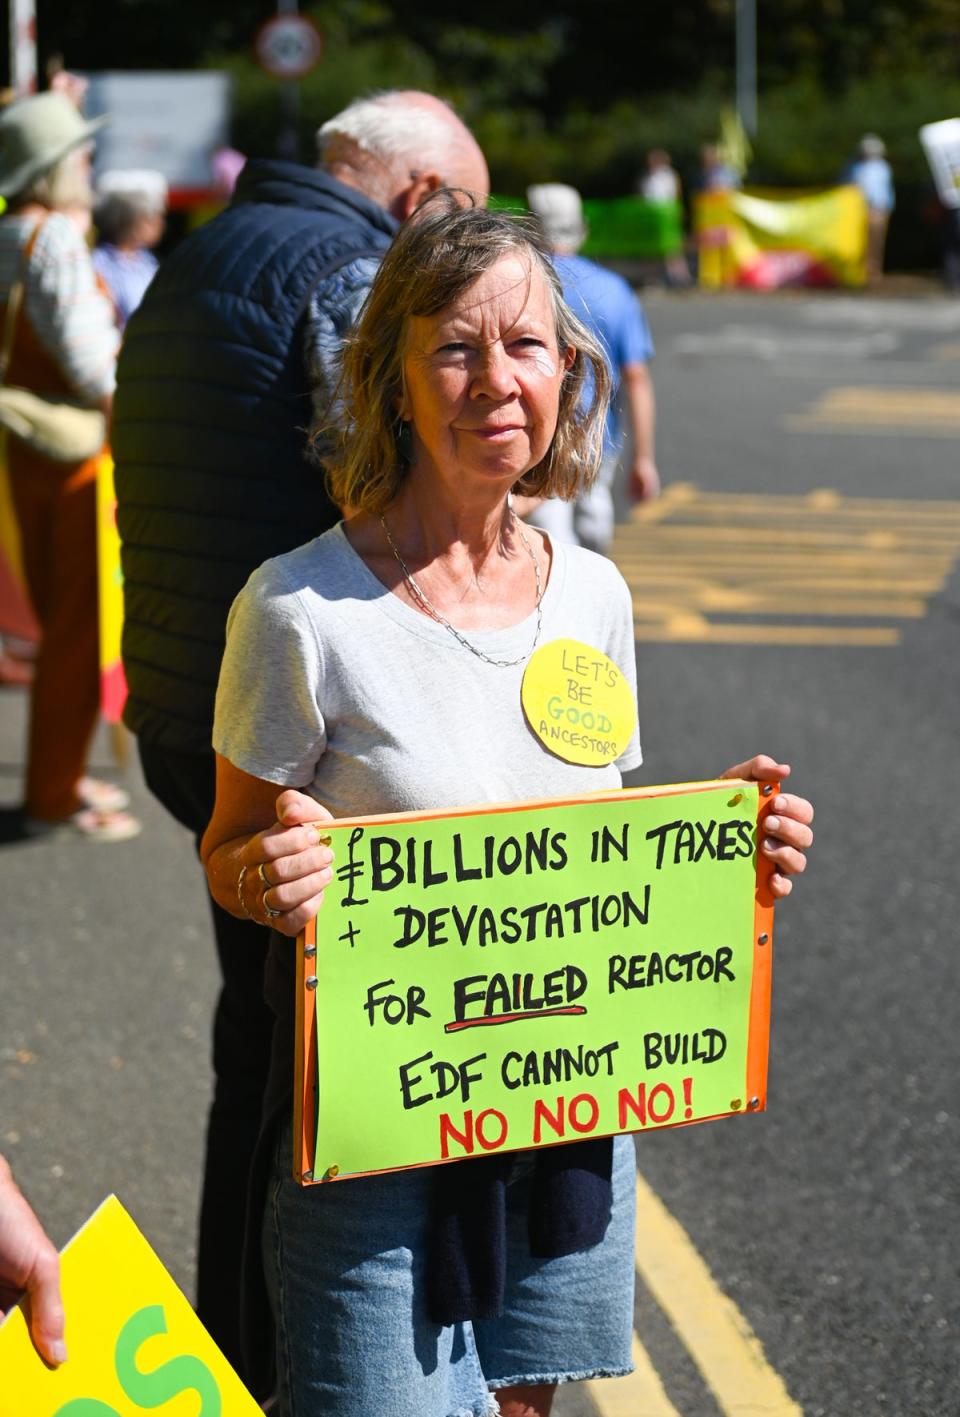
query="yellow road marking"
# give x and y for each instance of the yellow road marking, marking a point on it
(722, 568)
(746, 537)
(693, 630)
(935, 403)
(854, 577)
(724, 600)
(640, 1394)
(934, 412)
(679, 494)
(718, 1338)
(824, 499)
(800, 423)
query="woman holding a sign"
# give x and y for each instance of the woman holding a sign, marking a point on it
(432, 652)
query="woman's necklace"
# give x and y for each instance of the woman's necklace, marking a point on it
(434, 613)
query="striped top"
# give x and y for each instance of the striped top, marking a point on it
(69, 313)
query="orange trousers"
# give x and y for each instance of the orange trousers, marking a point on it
(56, 508)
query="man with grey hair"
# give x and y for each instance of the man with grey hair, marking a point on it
(240, 328)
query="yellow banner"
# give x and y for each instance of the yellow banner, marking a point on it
(134, 1342)
(765, 240)
(16, 615)
(113, 684)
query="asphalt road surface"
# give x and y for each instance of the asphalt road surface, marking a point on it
(795, 592)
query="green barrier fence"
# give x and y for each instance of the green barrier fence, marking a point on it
(623, 228)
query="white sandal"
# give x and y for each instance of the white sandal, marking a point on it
(102, 796)
(89, 823)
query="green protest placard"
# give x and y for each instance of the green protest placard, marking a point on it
(521, 976)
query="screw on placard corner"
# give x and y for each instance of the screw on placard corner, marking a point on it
(753, 1104)
(309, 951)
(767, 789)
(331, 1173)
(308, 1175)
(311, 981)
(762, 939)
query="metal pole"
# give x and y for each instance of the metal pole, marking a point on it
(23, 46)
(746, 30)
(288, 144)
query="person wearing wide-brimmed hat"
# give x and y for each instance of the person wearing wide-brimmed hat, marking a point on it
(59, 340)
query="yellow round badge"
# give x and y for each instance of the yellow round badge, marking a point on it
(578, 703)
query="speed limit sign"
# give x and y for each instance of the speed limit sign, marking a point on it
(288, 46)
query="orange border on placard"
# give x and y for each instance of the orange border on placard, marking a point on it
(305, 1062)
(758, 1039)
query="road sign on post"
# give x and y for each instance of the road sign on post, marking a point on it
(23, 46)
(168, 120)
(288, 46)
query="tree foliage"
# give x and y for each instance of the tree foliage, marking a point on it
(567, 89)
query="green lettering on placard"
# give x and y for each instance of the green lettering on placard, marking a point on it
(86, 1407)
(184, 1373)
(180, 1374)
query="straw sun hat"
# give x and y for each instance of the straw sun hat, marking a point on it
(35, 133)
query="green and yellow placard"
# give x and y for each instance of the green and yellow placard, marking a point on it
(134, 1342)
(525, 975)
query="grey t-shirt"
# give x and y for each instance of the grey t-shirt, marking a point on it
(333, 685)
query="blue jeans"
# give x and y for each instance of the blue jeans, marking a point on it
(345, 1267)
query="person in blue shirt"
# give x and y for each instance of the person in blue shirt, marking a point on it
(609, 307)
(872, 174)
(130, 216)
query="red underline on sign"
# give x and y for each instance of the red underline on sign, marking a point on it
(513, 1018)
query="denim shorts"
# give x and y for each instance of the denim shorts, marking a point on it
(345, 1267)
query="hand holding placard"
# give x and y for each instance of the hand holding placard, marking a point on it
(135, 1342)
(29, 1264)
(281, 873)
(787, 835)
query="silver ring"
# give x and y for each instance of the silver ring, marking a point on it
(268, 910)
